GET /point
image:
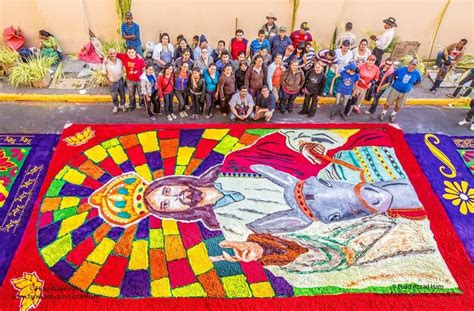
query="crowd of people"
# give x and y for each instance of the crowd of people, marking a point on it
(251, 79)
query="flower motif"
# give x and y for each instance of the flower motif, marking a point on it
(5, 162)
(80, 138)
(461, 195)
(30, 290)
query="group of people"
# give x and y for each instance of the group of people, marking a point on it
(250, 79)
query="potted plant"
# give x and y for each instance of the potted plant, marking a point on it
(8, 59)
(35, 72)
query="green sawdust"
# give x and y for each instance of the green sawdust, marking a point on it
(394, 289)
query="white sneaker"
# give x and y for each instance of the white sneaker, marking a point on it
(472, 127)
(463, 122)
(181, 114)
(185, 114)
(115, 110)
(170, 118)
(153, 118)
(173, 116)
(435, 67)
(124, 109)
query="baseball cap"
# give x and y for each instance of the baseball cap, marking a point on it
(304, 25)
(282, 28)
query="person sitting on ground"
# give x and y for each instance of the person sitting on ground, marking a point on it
(112, 68)
(468, 78)
(442, 73)
(362, 53)
(301, 35)
(292, 81)
(238, 44)
(270, 28)
(185, 59)
(368, 73)
(202, 44)
(469, 116)
(346, 35)
(131, 33)
(179, 50)
(223, 61)
(165, 90)
(240, 74)
(344, 90)
(204, 60)
(49, 45)
(385, 80)
(241, 106)
(195, 42)
(226, 88)
(255, 78)
(267, 58)
(453, 52)
(134, 66)
(382, 42)
(148, 89)
(217, 52)
(274, 74)
(344, 55)
(265, 105)
(211, 77)
(313, 90)
(405, 78)
(197, 90)
(256, 45)
(181, 88)
(288, 56)
(163, 52)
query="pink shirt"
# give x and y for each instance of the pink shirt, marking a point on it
(367, 75)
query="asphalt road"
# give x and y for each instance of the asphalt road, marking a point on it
(31, 117)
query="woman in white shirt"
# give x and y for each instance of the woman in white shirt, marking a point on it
(362, 53)
(163, 52)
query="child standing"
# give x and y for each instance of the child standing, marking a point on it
(344, 90)
(443, 71)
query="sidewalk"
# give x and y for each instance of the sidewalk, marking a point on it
(420, 95)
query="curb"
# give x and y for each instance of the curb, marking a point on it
(94, 99)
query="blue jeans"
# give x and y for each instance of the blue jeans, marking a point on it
(168, 103)
(118, 89)
(440, 59)
(287, 100)
(134, 88)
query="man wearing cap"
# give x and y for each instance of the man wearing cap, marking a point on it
(279, 43)
(405, 78)
(131, 33)
(301, 35)
(346, 35)
(270, 28)
(382, 42)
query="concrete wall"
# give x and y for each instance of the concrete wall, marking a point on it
(66, 18)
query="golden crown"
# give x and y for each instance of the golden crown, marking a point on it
(120, 201)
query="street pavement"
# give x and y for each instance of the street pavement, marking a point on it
(40, 117)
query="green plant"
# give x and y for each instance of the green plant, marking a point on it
(392, 44)
(438, 24)
(8, 56)
(98, 79)
(58, 74)
(334, 38)
(35, 69)
(467, 61)
(296, 4)
(122, 7)
(421, 66)
(117, 45)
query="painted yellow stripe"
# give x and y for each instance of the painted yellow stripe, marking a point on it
(94, 99)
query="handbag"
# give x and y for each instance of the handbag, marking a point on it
(371, 91)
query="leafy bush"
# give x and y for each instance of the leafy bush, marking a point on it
(35, 69)
(98, 79)
(8, 56)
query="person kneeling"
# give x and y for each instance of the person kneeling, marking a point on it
(265, 105)
(241, 105)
